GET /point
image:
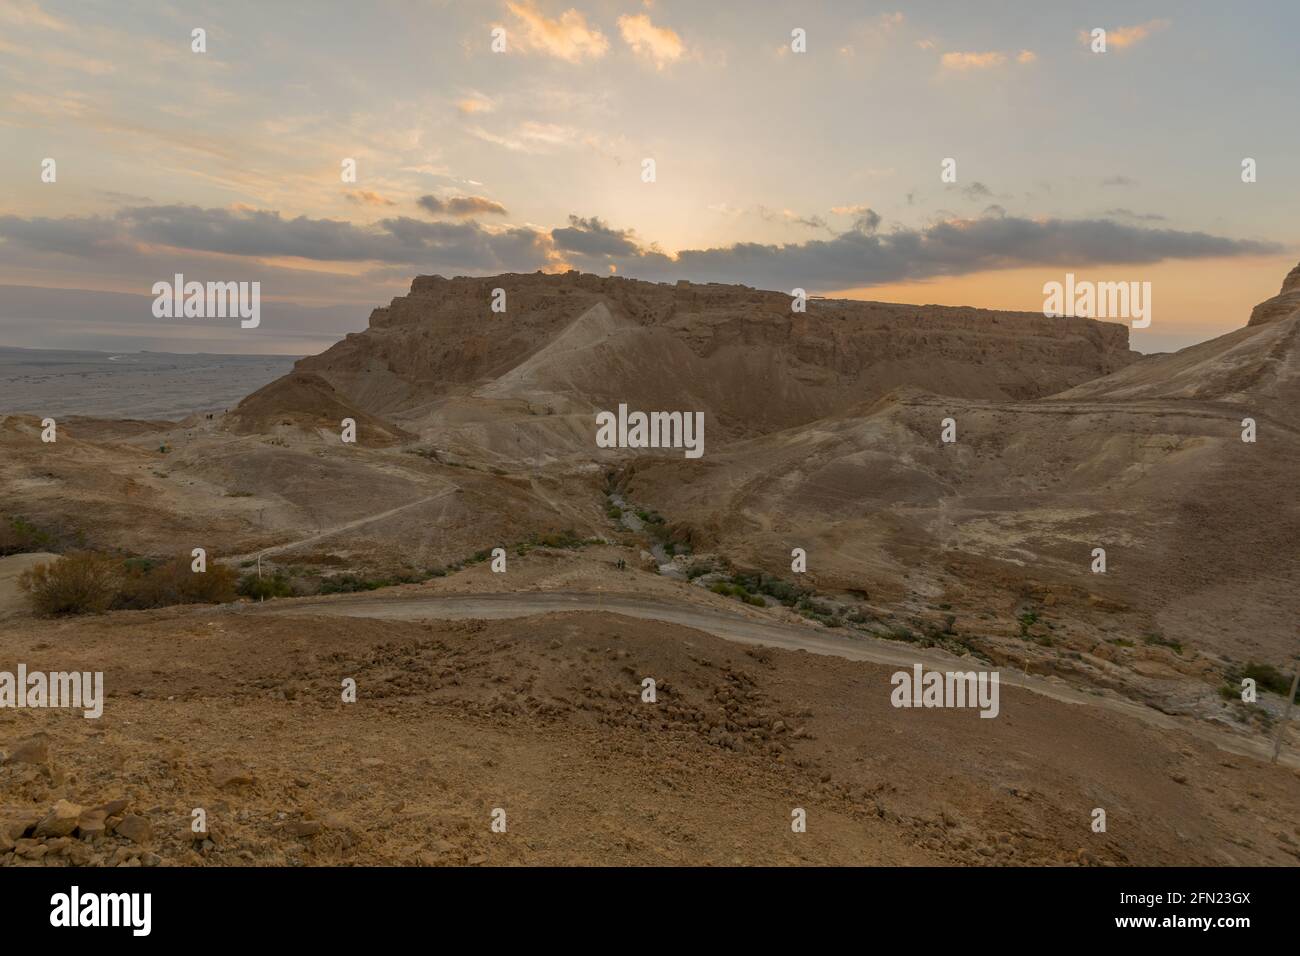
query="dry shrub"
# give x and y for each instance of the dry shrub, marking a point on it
(81, 582)
(173, 582)
(17, 535)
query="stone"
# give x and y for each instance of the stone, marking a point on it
(226, 774)
(30, 849)
(60, 821)
(91, 826)
(135, 828)
(33, 750)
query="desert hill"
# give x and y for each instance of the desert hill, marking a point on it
(1147, 462)
(476, 430)
(440, 363)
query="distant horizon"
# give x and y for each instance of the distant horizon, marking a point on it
(322, 342)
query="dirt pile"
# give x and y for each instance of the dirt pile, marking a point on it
(308, 402)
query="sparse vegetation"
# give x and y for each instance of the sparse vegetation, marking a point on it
(78, 583)
(737, 591)
(147, 584)
(1160, 641)
(268, 586)
(85, 582)
(351, 583)
(1266, 677)
(20, 536)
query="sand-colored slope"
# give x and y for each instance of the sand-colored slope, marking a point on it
(12, 599)
(1257, 368)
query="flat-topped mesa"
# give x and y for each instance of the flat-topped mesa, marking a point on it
(658, 303)
(744, 354)
(1286, 302)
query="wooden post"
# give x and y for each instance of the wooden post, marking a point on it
(1286, 714)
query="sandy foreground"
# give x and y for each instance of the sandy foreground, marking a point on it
(239, 713)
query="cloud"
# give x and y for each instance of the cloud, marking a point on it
(1122, 213)
(592, 237)
(148, 241)
(58, 59)
(785, 215)
(1121, 37)
(26, 13)
(863, 256)
(462, 206)
(260, 233)
(475, 104)
(660, 45)
(867, 221)
(568, 38)
(367, 198)
(972, 61)
(530, 137)
(960, 61)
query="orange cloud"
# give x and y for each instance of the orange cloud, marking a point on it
(983, 61)
(475, 104)
(1122, 37)
(25, 13)
(567, 38)
(972, 61)
(368, 198)
(659, 44)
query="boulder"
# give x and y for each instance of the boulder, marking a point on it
(60, 821)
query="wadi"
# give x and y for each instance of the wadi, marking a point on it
(454, 614)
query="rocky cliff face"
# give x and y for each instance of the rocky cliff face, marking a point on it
(1286, 302)
(740, 353)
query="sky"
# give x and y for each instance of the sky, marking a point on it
(774, 168)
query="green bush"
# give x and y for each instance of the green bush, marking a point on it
(1160, 641)
(270, 586)
(1266, 676)
(19, 536)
